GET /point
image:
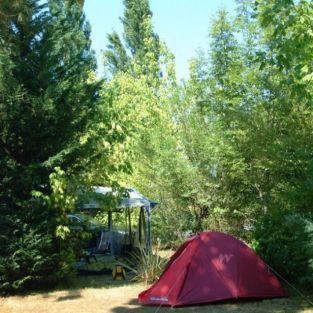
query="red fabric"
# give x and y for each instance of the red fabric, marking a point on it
(210, 267)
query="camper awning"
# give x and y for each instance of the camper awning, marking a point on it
(134, 199)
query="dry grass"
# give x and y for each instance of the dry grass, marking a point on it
(101, 294)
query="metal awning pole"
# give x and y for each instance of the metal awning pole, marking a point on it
(149, 243)
(109, 220)
(110, 227)
(129, 227)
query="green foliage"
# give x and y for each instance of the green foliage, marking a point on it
(233, 145)
(241, 122)
(286, 243)
(40, 249)
(147, 265)
(226, 150)
(30, 261)
(171, 225)
(142, 47)
(49, 118)
(116, 56)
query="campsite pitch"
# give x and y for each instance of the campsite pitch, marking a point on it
(101, 295)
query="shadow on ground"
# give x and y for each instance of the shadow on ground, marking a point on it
(286, 305)
(75, 286)
(101, 281)
(72, 295)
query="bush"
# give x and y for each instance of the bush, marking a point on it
(36, 246)
(147, 265)
(32, 262)
(286, 244)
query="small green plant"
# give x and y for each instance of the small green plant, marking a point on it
(146, 264)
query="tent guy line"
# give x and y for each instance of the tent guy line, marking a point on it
(292, 286)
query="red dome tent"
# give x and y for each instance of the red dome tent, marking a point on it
(210, 267)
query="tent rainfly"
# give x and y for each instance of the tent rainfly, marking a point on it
(211, 267)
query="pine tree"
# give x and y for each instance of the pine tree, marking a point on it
(47, 102)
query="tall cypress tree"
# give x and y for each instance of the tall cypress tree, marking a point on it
(46, 102)
(141, 42)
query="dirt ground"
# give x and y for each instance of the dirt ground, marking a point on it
(101, 294)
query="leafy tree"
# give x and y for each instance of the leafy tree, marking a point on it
(144, 96)
(231, 148)
(257, 114)
(211, 121)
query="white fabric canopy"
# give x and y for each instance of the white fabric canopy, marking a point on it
(134, 200)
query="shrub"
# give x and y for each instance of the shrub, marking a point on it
(286, 243)
(36, 245)
(147, 265)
